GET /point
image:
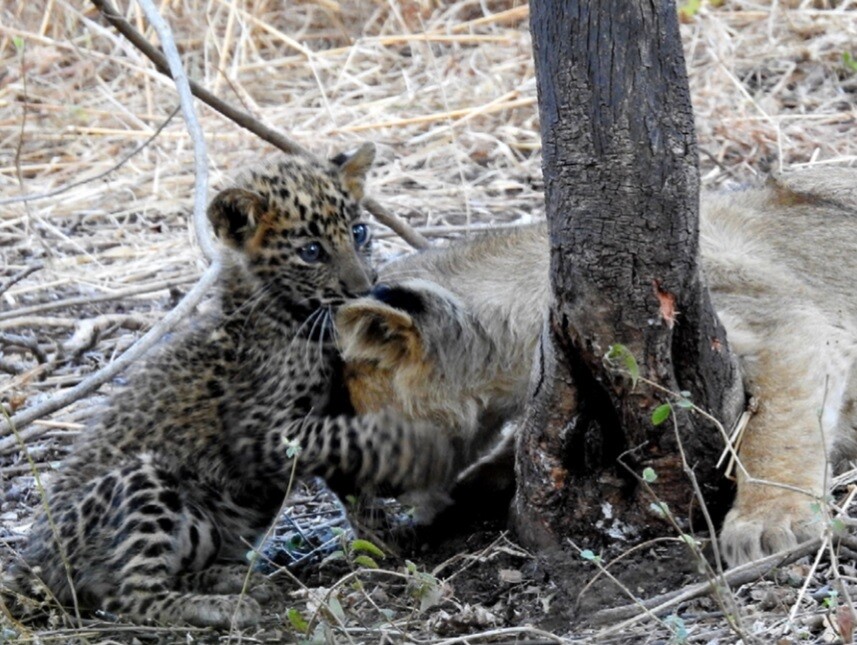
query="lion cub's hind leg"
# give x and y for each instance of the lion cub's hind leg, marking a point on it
(803, 373)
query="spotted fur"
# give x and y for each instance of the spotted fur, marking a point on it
(160, 500)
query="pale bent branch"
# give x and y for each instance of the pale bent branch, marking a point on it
(93, 382)
(96, 380)
(200, 156)
(736, 577)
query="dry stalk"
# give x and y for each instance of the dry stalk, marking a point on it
(246, 121)
(659, 605)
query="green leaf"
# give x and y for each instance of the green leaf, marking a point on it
(620, 354)
(430, 596)
(366, 562)
(847, 60)
(649, 475)
(294, 542)
(661, 414)
(660, 509)
(587, 554)
(336, 608)
(336, 555)
(297, 620)
(838, 526)
(677, 627)
(18, 41)
(368, 547)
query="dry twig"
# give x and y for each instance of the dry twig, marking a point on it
(244, 120)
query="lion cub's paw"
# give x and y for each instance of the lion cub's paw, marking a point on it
(753, 531)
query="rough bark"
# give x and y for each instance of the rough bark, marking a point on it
(622, 190)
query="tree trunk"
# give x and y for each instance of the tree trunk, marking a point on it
(622, 192)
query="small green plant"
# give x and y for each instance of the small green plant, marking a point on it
(832, 600)
(677, 627)
(849, 62)
(661, 509)
(661, 413)
(620, 356)
(358, 553)
(423, 586)
(297, 620)
(587, 554)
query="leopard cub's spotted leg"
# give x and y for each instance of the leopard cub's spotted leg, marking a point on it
(229, 578)
(150, 533)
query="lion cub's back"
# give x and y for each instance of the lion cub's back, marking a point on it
(793, 239)
(502, 275)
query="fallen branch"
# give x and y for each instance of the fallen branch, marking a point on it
(96, 380)
(24, 342)
(200, 156)
(242, 119)
(17, 277)
(180, 311)
(20, 312)
(404, 230)
(736, 577)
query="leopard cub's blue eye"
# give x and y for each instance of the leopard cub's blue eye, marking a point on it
(311, 252)
(360, 233)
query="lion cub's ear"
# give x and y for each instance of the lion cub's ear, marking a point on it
(370, 330)
(354, 166)
(235, 213)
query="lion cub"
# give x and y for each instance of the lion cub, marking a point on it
(453, 339)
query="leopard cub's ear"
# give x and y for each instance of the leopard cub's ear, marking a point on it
(354, 166)
(235, 213)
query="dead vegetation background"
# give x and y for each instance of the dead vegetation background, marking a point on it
(99, 251)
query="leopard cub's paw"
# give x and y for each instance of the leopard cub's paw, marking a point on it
(753, 531)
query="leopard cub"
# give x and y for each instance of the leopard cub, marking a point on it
(155, 507)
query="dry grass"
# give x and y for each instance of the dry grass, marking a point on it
(446, 91)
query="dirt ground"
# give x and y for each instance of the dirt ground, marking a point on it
(104, 246)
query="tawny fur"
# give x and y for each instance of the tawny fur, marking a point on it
(781, 265)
